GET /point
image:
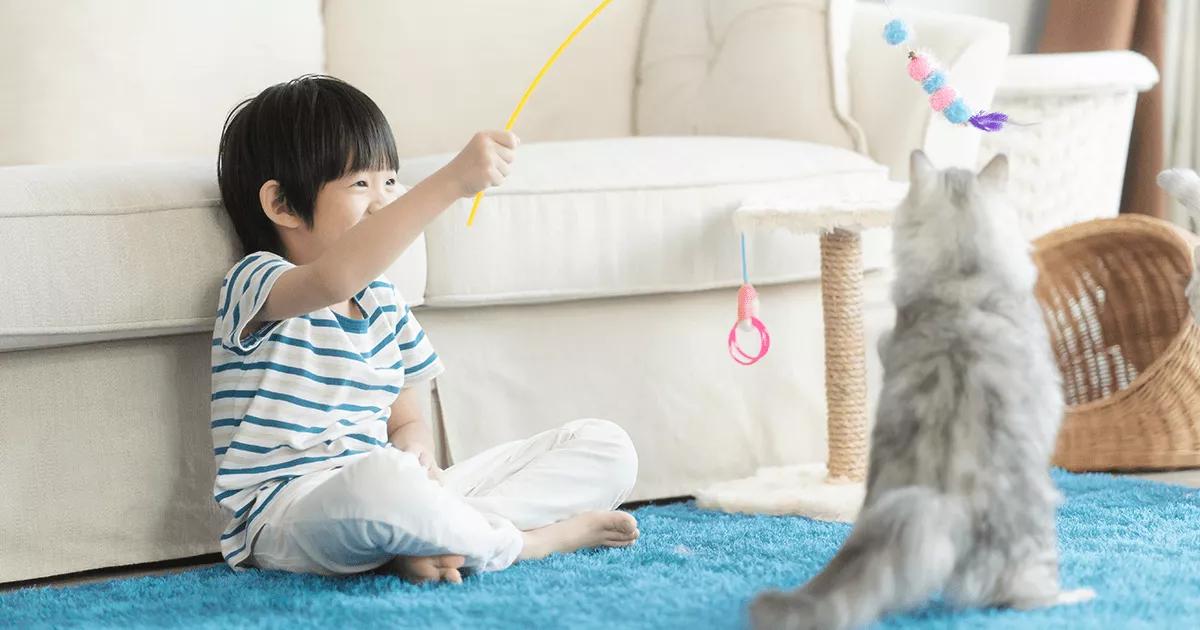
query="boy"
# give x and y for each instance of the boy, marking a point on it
(323, 459)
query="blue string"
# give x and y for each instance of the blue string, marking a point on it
(745, 273)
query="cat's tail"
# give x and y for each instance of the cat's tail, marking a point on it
(1183, 185)
(902, 550)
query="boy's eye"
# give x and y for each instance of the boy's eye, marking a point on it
(391, 182)
(362, 183)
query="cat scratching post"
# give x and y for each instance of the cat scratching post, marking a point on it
(845, 356)
(833, 491)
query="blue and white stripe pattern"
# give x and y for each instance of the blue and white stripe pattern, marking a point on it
(303, 395)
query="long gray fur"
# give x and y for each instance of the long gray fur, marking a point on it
(959, 497)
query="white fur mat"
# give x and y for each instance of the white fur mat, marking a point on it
(800, 490)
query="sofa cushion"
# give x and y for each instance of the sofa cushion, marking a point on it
(594, 218)
(442, 70)
(141, 79)
(769, 68)
(92, 253)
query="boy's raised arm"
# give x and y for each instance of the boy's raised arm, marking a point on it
(366, 250)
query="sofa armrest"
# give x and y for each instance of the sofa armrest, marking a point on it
(1067, 159)
(893, 112)
(1091, 73)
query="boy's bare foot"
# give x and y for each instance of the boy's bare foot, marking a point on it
(590, 529)
(419, 569)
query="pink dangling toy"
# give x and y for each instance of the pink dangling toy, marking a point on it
(747, 320)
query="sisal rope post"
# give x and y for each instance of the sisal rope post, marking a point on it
(845, 356)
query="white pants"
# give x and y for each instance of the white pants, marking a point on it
(384, 505)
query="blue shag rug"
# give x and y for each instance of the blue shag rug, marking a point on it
(1137, 543)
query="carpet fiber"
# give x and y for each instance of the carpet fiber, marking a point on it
(1137, 543)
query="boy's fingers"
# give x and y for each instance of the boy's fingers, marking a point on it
(496, 176)
(508, 155)
(505, 138)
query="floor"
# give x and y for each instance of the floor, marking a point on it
(1182, 477)
(104, 575)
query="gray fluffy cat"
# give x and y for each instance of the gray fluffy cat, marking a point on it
(959, 498)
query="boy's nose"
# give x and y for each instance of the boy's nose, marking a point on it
(380, 200)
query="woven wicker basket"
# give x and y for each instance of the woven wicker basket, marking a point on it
(1112, 291)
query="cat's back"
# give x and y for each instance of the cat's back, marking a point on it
(970, 393)
(1001, 331)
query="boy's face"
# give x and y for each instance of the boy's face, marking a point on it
(340, 205)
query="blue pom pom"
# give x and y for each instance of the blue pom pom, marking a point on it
(957, 112)
(895, 32)
(934, 82)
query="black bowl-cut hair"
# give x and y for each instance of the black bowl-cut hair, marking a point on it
(302, 133)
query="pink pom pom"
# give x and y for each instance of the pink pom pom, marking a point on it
(919, 67)
(942, 98)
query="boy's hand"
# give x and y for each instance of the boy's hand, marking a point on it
(427, 461)
(431, 467)
(485, 161)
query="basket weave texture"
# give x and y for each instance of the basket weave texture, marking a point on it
(1113, 295)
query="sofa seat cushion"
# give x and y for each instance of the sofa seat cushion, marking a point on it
(100, 252)
(629, 216)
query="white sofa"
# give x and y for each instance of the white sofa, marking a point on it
(601, 276)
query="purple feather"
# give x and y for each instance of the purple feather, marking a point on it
(989, 121)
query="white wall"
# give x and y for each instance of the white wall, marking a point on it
(1024, 17)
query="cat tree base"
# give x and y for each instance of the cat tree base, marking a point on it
(804, 490)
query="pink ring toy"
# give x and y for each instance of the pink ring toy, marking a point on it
(739, 355)
(748, 312)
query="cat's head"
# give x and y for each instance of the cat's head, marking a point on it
(955, 223)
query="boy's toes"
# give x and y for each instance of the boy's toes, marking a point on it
(420, 572)
(450, 562)
(624, 536)
(430, 569)
(625, 523)
(621, 529)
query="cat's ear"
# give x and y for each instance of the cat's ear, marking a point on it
(919, 166)
(995, 174)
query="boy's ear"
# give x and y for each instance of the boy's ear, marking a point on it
(275, 206)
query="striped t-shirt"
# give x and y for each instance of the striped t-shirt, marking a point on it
(302, 395)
